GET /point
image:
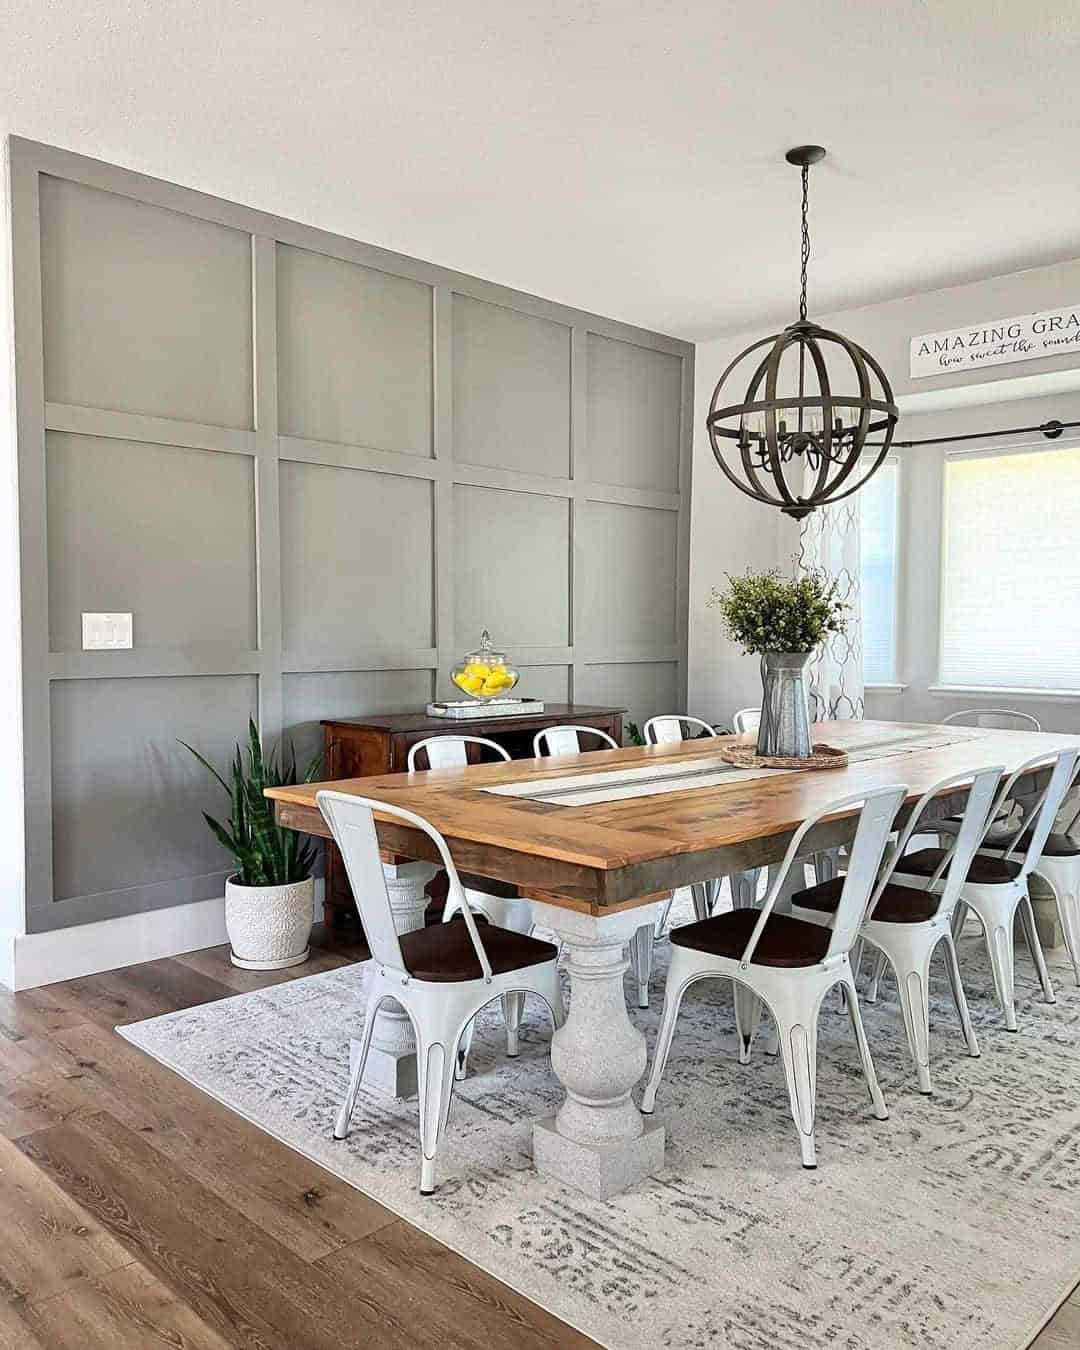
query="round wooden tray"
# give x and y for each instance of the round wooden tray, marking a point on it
(747, 757)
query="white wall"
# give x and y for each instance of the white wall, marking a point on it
(730, 532)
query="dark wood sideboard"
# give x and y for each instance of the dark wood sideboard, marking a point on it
(359, 747)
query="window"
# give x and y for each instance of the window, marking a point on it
(1011, 570)
(878, 557)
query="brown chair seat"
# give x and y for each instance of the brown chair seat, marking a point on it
(985, 870)
(444, 953)
(896, 904)
(1056, 846)
(785, 941)
(504, 890)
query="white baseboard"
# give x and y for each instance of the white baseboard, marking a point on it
(29, 960)
(88, 949)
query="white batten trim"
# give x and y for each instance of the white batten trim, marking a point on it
(884, 687)
(994, 691)
(29, 960)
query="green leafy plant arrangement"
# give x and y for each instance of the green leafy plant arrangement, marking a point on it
(265, 853)
(768, 612)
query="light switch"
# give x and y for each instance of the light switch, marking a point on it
(106, 632)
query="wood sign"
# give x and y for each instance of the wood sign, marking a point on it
(1051, 332)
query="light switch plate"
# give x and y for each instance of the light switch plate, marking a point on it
(106, 632)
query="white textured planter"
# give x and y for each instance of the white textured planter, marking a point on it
(268, 926)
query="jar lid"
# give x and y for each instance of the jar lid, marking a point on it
(486, 654)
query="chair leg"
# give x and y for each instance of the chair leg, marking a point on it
(826, 865)
(513, 1004)
(952, 965)
(1031, 933)
(913, 986)
(1067, 895)
(881, 1111)
(959, 914)
(999, 945)
(797, 1027)
(872, 989)
(641, 955)
(658, 931)
(744, 887)
(700, 892)
(464, 1047)
(747, 1019)
(677, 986)
(550, 990)
(435, 1081)
(341, 1125)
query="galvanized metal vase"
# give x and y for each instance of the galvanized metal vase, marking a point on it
(784, 728)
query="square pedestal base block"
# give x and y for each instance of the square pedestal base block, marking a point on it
(388, 1071)
(600, 1170)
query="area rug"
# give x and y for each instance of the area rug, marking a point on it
(951, 1226)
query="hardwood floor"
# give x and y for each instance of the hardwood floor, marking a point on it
(138, 1213)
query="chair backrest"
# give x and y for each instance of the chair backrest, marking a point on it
(1039, 819)
(879, 808)
(746, 719)
(668, 728)
(450, 752)
(566, 740)
(352, 823)
(1003, 719)
(976, 819)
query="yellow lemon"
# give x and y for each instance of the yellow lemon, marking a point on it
(472, 684)
(478, 668)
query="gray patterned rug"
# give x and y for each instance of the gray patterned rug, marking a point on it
(951, 1226)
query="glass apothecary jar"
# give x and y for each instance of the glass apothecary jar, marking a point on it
(485, 673)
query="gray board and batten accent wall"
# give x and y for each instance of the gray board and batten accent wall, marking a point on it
(313, 470)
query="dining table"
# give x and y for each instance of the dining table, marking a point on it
(597, 842)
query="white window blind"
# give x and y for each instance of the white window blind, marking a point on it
(878, 566)
(1011, 570)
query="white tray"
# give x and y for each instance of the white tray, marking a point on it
(462, 711)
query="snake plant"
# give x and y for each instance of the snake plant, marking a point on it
(265, 853)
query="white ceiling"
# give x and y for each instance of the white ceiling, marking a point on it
(618, 155)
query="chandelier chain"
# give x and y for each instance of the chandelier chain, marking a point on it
(805, 239)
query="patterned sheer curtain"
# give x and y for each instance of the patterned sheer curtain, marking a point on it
(829, 540)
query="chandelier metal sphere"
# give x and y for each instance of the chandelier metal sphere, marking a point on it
(799, 438)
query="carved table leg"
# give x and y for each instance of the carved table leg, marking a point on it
(598, 1141)
(391, 1062)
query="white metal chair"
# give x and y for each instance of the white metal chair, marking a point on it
(498, 901)
(451, 752)
(1002, 719)
(909, 917)
(996, 886)
(1059, 868)
(442, 976)
(667, 729)
(566, 740)
(788, 963)
(744, 885)
(746, 720)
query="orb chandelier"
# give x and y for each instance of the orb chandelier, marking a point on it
(797, 438)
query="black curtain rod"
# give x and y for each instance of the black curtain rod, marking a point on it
(1051, 430)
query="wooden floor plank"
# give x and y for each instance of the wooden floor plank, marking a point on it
(174, 1173)
(434, 1287)
(128, 1309)
(47, 1242)
(1063, 1330)
(248, 1287)
(299, 1203)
